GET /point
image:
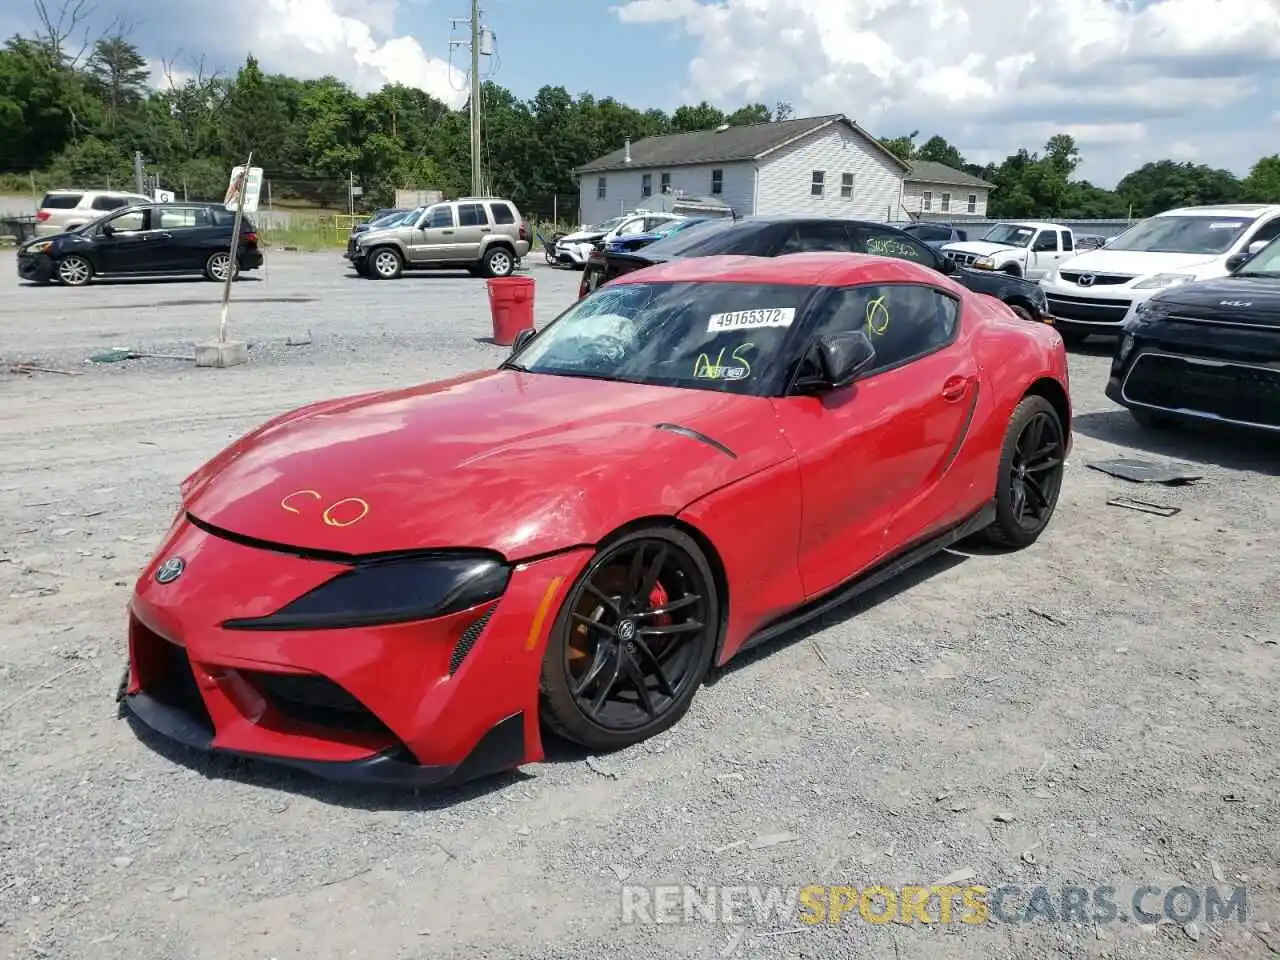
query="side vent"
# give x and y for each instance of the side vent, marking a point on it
(467, 641)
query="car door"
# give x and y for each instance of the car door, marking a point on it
(435, 237)
(873, 456)
(121, 244)
(1045, 255)
(181, 238)
(473, 229)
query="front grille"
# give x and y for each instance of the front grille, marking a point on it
(1087, 309)
(306, 698)
(964, 259)
(1099, 279)
(1249, 395)
(1224, 322)
(467, 641)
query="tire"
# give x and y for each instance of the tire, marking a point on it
(498, 261)
(588, 689)
(1012, 270)
(1150, 420)
(73, 270)
(217, 266)
(1015, 488)
(385, 263)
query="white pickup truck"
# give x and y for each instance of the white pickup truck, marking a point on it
(1024, 249)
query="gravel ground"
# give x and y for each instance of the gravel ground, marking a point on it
(1097, 710)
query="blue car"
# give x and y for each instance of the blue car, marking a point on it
(638, 240)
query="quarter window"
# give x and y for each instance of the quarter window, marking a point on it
(903, 321)
(177, 218)
(502, 213)
(471, 215)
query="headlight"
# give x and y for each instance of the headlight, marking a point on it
(390, 591)
(42, 247)
(1163, 280)
(984, 263)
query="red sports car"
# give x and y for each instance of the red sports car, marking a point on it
(409, 586)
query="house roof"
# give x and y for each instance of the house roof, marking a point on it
(927, 171)
(732, 145)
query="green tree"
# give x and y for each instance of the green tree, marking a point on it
(702, 117)
(118, 73)
(1262, 185)
(904, 148)
(938, 150)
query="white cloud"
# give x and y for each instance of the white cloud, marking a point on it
(1102, 68)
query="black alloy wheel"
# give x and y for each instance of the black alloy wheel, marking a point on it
(1030, 478)
(633, 642)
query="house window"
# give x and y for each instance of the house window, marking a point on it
(846, 186)
(717, 182)
(946, 202)
(666, 183)
(926, 200)
(819, 183)
(973, 203)
(602, 188)
(646, 185)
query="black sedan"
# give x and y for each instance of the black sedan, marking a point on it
(154, 239)
(1206, 351)
(777, 236)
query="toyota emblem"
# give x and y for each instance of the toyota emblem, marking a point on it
(170, 570)
(1086, 279)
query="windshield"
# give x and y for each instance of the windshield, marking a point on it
(1207, 235)
(1264, 263)
(387, 219)
(708, 239)
(606, 226)
(1010, 234)
(727, 337)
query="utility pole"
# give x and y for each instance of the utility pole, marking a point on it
(479, 44)
(137, 172)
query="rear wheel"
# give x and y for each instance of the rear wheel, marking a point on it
(74, 270)
(499, 262)
(385, 263)
(1030, 477)
(218, 266)
(633, 642)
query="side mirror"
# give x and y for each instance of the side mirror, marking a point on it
(840, 357)
(522, 338)
(108, 229)
(1257, 247)
(1237, 260)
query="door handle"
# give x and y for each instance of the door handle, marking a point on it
(486, 230)
(446, 231)
(955, 388)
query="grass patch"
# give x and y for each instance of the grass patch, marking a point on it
(318, 235)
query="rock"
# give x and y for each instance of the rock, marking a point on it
(957, 876)
(122, 862)
(180, 892)
(602, 768)
(1004, 817)
(1192, 930)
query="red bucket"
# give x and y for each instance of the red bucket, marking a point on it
(511, 306)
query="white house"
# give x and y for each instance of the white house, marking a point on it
(934, 191)
(821, 166)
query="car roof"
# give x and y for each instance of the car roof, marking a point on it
(1250, 210)
(819, 268)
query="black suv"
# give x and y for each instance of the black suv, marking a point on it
(777, 236)
(153, 239)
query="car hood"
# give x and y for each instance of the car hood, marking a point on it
(983, 248)
(519, 463)
(1138, 263)
(583, 236)
(1240, 299)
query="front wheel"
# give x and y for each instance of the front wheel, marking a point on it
(633, 641)
(74, 270)
(385, 264)
(1031, 467)
(499, 262)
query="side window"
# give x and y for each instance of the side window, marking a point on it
(903, 321)
(176, 218)
(471, 215)
(882, 243)
(811, 237)
(502, 213)
(441, 216)
(1068, 241)
(1267, 232)
(129, 222)
(1046, 242)
(109, 203)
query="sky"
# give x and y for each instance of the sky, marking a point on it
(1131, 80)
